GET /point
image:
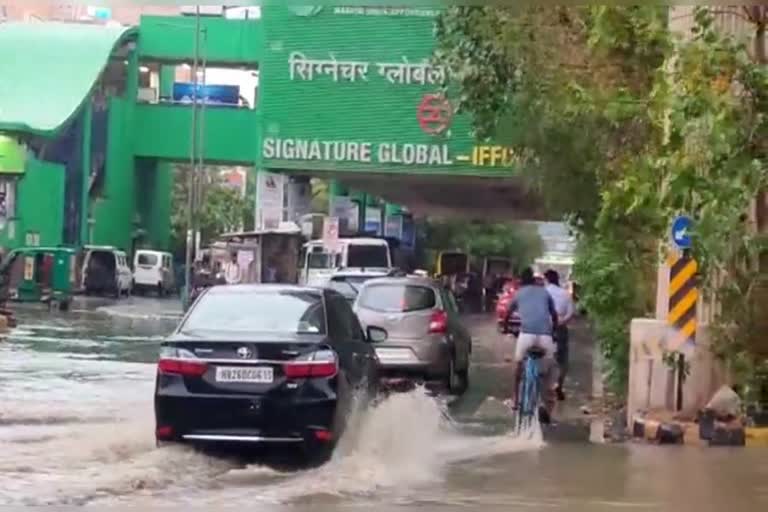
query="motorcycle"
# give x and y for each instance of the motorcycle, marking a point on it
(511, 325)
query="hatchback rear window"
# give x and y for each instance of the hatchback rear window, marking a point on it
(148, 259)
(398, 298)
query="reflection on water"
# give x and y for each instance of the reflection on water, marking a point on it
(76, 427)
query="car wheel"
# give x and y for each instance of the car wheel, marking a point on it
(316, 454)
(457, 380)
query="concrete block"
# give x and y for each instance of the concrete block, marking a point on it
(651, 430)
(691, 437)
(756, 437)
(728, 434)
(670, 433)
(706, 425)
(638, 428)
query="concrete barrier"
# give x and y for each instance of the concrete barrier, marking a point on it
(653, 385)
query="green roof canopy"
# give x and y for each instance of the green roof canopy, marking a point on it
(47, 70)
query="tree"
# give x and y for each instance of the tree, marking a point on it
(569, 87)
(622, 126)
(221, 208)
(519, 242)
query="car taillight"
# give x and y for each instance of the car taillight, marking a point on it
(175, 361)
(164, 433)
(438, 322)
(322, 363)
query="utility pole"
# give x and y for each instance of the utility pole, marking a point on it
(193, 162)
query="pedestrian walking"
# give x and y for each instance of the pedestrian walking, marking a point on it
(565, 311)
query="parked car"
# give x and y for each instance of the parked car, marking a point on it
(153, 270)
(264, 365)
(106, 271)
(426, 337)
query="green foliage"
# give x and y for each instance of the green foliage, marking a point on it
(625, 126)
(519, 242)
(221, 208)
(320, 196)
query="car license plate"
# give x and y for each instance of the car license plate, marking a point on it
(244, 374)
(396, 355)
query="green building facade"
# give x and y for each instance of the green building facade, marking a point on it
(342, 90)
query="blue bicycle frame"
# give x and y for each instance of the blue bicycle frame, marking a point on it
(529, 393)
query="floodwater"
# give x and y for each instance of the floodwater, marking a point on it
(76, 428)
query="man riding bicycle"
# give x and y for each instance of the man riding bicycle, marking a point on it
(538, 321)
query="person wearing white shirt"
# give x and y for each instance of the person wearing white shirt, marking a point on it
(565, 311)
(232, 272)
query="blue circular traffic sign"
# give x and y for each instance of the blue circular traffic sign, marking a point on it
(681, 232)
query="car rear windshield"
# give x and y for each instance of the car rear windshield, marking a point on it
(398, 298)
(319, 260)
(147, 259)
(282, 311)
(367, 256)
(349, 286)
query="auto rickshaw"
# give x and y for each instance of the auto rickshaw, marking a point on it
(40, 274)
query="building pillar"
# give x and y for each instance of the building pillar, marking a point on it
(85, 171)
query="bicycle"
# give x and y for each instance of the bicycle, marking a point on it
(529, 388)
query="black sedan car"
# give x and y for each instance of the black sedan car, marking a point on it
(263, 365)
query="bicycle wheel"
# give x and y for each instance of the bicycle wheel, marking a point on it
(527, 394)
(521, 400)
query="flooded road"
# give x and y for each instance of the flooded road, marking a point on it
(76, 428)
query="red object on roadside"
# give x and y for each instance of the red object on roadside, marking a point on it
(502, 305)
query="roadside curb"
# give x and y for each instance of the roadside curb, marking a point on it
(716, 433)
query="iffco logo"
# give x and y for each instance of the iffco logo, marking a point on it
(305, 10)
(434, 114)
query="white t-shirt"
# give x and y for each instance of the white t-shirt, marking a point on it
(563, 302)
(232, 273)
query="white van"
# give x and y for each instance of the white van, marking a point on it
(153, 270)
(358, 254)
(106, 271)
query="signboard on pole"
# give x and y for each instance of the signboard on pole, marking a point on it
(681, 232)
(393, 227)
(373, 220)
(331, 234)
(409, 232)
(13, 156)
(270, 194)
(345, 209)
(299, 199)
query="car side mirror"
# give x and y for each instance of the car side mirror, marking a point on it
(376, 334)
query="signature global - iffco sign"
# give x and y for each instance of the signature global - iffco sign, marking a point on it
(370, 96)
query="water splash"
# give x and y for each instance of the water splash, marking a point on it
(403, 444)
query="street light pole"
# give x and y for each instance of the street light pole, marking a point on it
(193, 161)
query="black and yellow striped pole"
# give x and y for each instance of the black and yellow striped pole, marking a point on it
(683, 300)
